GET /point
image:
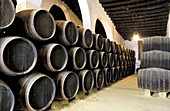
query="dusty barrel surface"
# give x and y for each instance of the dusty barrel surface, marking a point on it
(54, 57)
(7, 12)
(67, 85)
(107, 76)
(114, 75)
(17, 56)
(107, 45)
(85, 38)
(7, 99)
(92, 59)
(98, 41)
(98, 78)
(86, 79)
(37, 24)
(111, 61)
(66, 32)
(113, 47)
(36, 91)
(77, 58)
(103, 57)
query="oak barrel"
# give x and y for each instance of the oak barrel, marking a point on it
(36, 91)
(107, 76)
(98, 41)
(111, 61)
(17, 55)
(92, 59)
(98, 78)
(7, 99)
(85, 38)
(54, 57)
(77, 58)
(103, 57)
(66, 32)
(86, 79)
(67, 85)
(107, 45)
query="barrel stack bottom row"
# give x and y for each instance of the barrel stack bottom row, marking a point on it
(155, 71)
(47, 59)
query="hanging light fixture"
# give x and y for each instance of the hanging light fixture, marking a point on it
(136, 36)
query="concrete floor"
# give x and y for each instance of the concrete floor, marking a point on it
(121, 96)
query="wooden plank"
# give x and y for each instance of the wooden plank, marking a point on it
(147, 3)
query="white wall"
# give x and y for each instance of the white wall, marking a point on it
(168, 26)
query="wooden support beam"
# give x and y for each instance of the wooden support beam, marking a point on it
(142, 16)
(143, 9)
(117, 3)
(164, 9)
(139, 25)
(133, 6)
(141, 20)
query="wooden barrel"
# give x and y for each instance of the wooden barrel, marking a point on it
(66, 32)
(54, 57)
(120, 60)
(85, 38)
(127, 52)
(107, 76)
(119, 49)
(116, 59)
(117, 71)
(103, 58)
(122, 70)
(111, 61)
(86, 79)
(67, 85)
(107, 45)
(92, 59)
(36, 92)
(98, 41)
(77, 58)
(114, 75)
(113, 47)
(17, 56)
(7, 99)
(98, 78)
(7, 12)
(38, 24)
(125, 71)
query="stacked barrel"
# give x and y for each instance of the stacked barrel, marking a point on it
(42, 59)
(154, 73)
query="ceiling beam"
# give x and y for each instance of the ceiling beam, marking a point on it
(142, 16)
(118, 3)
(164, 9)
(141, 20)
(141, 9)
(139, 25)
(147, 3)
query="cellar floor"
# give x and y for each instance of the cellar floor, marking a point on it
(121, 96)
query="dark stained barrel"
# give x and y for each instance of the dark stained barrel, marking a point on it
(120, 60)
(98, 78)
(38, 24)
(122, 70)
(127, 51)
(77, 58)
(66, 32)
(18, 56)
(116, 59)
(125, 71)
(7, 99)
(111, 61)
(113, 47)
(103, 57)
(119, 49)
(85, 38)
(67, 85)
(118, 74)
(36, 91)
(92, 59)
(107, 45)
(7, 13)
(54, 57)
(114, 75)
(98, 41)
(86, 79)
(107, 76)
